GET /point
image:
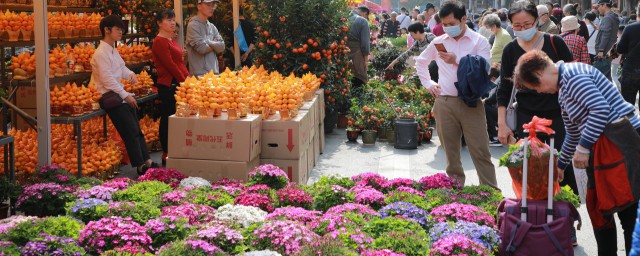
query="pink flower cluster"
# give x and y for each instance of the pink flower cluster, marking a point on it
(232, 187)
(261, 201)
(457, 245)
(287, 237)
(174, 197)
(113, 232)
(196, 214)
(268, 170)
(351, 207)
(410, 190)
(294, 196)
(304, 216)
(169, 176)
(462, 212)
(385, 252)
(370, 179)
(259, 189)
(221, 235)
(98, 192)
(118, 183)
(39, 191)
(354, 235)
(399, 182)
(207, 248)
(368, 195)
(436, 181)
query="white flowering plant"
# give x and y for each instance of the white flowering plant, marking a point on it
(195, 182)
(240, 214)
(515, 155)
(261, 253)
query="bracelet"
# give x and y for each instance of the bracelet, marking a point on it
(585, 152)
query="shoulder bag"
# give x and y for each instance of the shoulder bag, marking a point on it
(110, 100)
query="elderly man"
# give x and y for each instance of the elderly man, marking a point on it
(203, 40)
(545, 24)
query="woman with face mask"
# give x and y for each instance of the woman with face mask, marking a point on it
(524, 18)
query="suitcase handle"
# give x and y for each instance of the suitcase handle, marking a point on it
(525, 173)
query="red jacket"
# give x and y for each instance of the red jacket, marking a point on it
(167, 57)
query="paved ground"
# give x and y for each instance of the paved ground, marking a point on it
(349, 159)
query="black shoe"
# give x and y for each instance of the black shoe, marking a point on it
(574, 238)
(495, 143)
(141, 170)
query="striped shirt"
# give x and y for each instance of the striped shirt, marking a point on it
(589, 102)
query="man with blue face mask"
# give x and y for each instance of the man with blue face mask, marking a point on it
(454, 117)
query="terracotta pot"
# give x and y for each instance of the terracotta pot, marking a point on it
(352, 136)
(428, 135)
(343, 121)
(420, 136)
(369, 137)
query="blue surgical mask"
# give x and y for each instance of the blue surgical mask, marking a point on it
(452, 31)
(526, 34)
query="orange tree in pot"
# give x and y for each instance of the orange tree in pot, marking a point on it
(306, 36)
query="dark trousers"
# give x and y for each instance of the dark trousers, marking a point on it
(491, 111)
(125, 120)
(629, 87)
(249, 61)
(607, 238)
(357, 88)
(558, 127)
(167, 108)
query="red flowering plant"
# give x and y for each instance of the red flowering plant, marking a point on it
(398, 182)
(369, 196)
(169, 176)
(293, 196)
(374, 180)
(261, 201)
(437, 181)
(233, 187)
(270, 175)
(55, 174)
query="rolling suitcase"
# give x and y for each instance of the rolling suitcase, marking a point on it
(536, 227)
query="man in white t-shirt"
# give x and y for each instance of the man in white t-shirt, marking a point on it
(404, 19)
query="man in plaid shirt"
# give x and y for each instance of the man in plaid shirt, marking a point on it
(422, 40)
(577, 44)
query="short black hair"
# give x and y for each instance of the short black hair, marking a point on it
(416, 28)
(110, 22)
(502, 15)
(632, 17)
(403, 9)
(416, 10)
(556, 5)
(165, 14)
(429, 6)
(523, 6)
(456, 8)
(621, 28)
(591, 16)
(364, 9)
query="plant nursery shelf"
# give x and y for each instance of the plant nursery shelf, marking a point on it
(73, 40)
(29, 8)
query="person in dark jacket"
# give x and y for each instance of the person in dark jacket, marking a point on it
(249, 30)
(629, 46)
(607, 36)
(572, 10)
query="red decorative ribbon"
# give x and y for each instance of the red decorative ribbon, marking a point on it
(538, 124)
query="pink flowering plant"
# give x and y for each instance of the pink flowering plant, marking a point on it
(283, 236)
(462, 212)
(374, 180)
(54, 174)
(164, 230)
(360, 209)
(196, 214)
(113, 232)
(44, 199)
(118, 183)
(325, 197)
(225, 238)
(169, 176)
(436, 181)
(410, 190)
(383, 252)
(97, 192)
(369, 196)
(398, 182)
(261, 201)
(328, 246)
(140, 212)
(52, 245)
(270, 175)
(233, 187)
(292, 196)
(402, 196)
(175, 197)
(191, 248)
(458, 245)
(301, 215)
(259, 189)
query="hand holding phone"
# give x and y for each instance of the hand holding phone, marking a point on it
(440, 47)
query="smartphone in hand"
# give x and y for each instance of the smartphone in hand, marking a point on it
(441, 48)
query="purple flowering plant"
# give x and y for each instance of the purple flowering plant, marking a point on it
(169, 176)
(113, 232)
(225, 238)
(457, 245)
(195, 213)
(261, 201)
(408, 197)
(98, 192)
(369, 196)
(484, 235)
(270, 175)
(44, 199)
(164, 230)
(301, 215)
(53, 245)
(283, 236)
(462, 212)
(436, 181)
(87, 209)
(292, 196)
(407, 210)
(9, 248)
(374, 180)
(54, 174)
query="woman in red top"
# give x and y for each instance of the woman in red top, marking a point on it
(167, 57)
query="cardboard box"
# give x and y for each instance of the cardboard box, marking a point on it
(316, 145)
(313, 109)
(286, 139)
(296, 169)
(26, 97)
(19, 122)
(322, 137)
(213, 170)
(215, 138)
(311, 158)
(321, 107)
